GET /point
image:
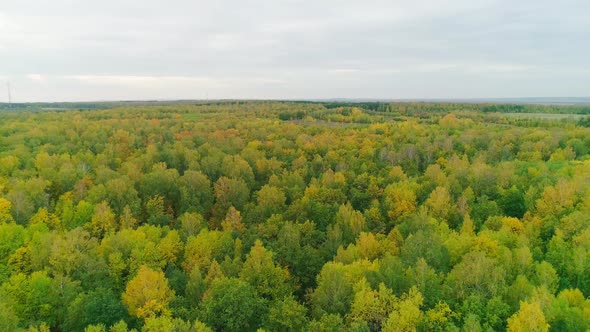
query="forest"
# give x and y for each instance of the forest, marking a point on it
(294, 216)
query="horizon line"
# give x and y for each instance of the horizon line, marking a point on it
(515, 100)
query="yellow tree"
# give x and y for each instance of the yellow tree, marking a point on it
(103, 220)
(233, 221)
(529, 318)
(400, 199)
(370, 305)
(49, 219)
(449, 120)
(5, 207)
(439, 203)
(350, 220)
(148, 294)
(170, 246)
(407, 313)
(556, 200)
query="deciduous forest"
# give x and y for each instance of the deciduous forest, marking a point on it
(294, 216)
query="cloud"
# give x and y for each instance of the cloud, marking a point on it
(129, 80)
(37, 77)
(134, 80)
(295, 48)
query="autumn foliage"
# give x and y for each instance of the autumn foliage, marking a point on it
(294, 216)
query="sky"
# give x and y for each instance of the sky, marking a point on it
(83, 50)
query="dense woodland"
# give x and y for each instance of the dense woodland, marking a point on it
(276, 216)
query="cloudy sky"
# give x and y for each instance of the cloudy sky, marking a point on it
(71, 50)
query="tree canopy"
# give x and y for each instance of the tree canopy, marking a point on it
(294, 216)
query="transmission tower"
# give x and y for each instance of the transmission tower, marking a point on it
(9, 94)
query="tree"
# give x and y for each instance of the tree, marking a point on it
(557, 199)
(8, 319)
(233, 221)
(5, 206)
(545, 275)
(101, 306)
(75, 255)
(427, 217)
(206, 247)
(260, 271)
(196, 194)
(476, 274)
(199, 326)
(12, 237)
(95, 328)
(162, 181)
(439, 318)
(121, 193)
(126, 218)
(165, 323)
(427, 245)
(191, 224)
(22, 206)
(231, 304)
(334, 293)
(351, 222)
(156, 211)
(34, 299)
(170, 247)
(237, 168)
(103, 221)
(439, 203)
(328, 323)
(567, 311)
(512, 202)
(449, 120)
(195, 286)
(426, 281)
(65, 209)
(399, 200)
(83, 213)
(407, 314)
(472, 324)
(230, 192)
(120, 326)
(148, 294)
(370, 306)
(530, 317)
(49, 219)
(286, 315)
(270, 200)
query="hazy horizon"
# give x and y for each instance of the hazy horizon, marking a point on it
(293, 50)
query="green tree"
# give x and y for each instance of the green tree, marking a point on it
(196, 194)
(334, 293)
(286, 315)
(259, 270)
(156, 211)
(476, 274)
(512, 202)
(101, 306)
(232, 305)
(34, 299)
(229, 192)
(8, 319)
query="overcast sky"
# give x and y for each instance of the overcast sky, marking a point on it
(71, 50)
